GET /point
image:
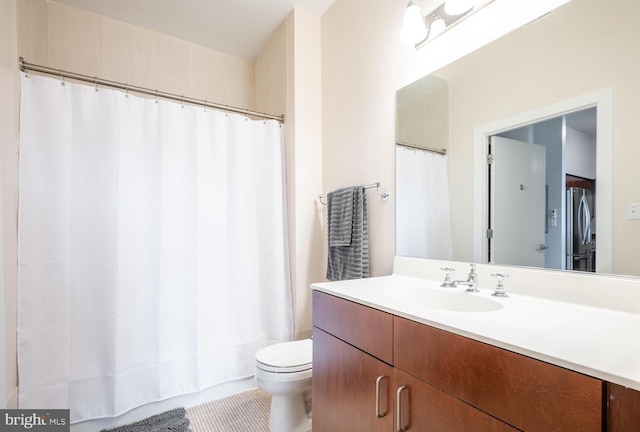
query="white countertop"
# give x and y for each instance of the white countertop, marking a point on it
(603, 343)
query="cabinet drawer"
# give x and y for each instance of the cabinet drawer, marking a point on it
(526, 393)
(366, 328)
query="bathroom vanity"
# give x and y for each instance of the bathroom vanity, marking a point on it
(400, 353)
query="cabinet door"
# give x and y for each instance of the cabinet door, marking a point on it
(529, 394)
(423, 408)
(623, 409)
(345, 384)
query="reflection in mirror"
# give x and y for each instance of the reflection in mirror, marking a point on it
(542, 191)
(422, 194)
(549, 84)
(526, 202)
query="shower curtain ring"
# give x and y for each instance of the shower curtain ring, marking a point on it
(95, 81)
(182, 101)
(61, 77)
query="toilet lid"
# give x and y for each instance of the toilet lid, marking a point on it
(287, 355)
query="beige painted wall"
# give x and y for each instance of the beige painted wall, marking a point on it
(287, 79)
(307, 167)
(359, 59)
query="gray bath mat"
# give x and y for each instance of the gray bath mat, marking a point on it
(170, 421)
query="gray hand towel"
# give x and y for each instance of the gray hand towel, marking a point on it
(351, 261)
(340, 216)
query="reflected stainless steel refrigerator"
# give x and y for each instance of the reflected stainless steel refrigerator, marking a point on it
(580, 241)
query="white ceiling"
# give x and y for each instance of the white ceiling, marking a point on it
(237, 27)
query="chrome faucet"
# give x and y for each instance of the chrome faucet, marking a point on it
(471, 282)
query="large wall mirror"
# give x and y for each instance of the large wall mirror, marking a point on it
(521, 152)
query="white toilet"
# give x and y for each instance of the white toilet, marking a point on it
(284, 371)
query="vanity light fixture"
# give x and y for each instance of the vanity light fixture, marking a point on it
(414, 29)
(437, 26)
(457, 7)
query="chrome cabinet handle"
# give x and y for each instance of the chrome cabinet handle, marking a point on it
(378, 381)
(399, 426)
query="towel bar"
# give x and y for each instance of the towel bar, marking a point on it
(384, 194)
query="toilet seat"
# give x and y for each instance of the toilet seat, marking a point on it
(286, 357)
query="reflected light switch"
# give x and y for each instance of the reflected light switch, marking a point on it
(633, 211)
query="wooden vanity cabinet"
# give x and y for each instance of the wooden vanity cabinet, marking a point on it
(623, 409)
(447, 383)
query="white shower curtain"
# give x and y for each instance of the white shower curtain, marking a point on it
(423, 220)
(152, 248)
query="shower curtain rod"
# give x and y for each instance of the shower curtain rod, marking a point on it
(442, 152)
(30, 67)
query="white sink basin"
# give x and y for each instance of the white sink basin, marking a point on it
(457, 301)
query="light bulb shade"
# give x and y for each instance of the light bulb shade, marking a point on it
(413, 29)
(437, 26)
(457, 7)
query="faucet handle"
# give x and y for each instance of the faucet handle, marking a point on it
(472, 272)
(500, 291)
(447, 280)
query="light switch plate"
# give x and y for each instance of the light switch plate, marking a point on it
(633, 211)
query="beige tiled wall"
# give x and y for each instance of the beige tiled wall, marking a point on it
(424, 121)
(63, 37)
(8, 189)
(32, 28)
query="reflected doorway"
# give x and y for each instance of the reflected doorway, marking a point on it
(541, 210)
